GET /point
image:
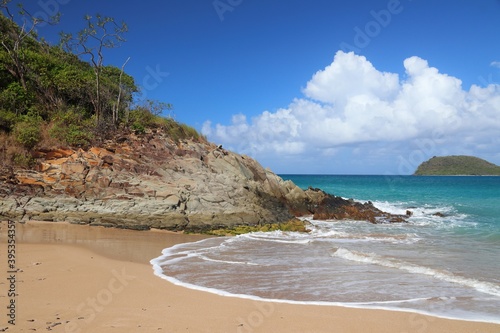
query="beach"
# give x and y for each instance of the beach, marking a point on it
(75, 278)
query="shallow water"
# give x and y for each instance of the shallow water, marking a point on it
(446, 266)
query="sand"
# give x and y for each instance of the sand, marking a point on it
(91, 279)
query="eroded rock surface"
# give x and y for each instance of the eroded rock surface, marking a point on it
(149, 181)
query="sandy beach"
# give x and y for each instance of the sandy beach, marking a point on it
(72, 278)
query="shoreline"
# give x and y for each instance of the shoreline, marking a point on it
(65, 267)
(375, 305)
(223, 293)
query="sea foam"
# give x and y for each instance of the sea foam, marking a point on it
(370, 258)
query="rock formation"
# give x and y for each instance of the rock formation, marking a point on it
(149, 181)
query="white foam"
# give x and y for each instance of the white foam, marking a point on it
(279, 237)
(158, 271)
(228, 261)
(400, 208)
(348, 231)
(342, 233)
(370, 258)
(392, 208)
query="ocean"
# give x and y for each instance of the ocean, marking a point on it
(445, 261)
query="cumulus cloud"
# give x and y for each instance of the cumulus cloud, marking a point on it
(350, 102)
(495, 64)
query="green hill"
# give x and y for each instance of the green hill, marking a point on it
(457, 165)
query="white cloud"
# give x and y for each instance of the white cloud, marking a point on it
(495, 64)
(350, 102)
(349, 76)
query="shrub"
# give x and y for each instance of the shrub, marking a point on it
(23, 160)
(13, 153)
(27, 132)
(177, 131)
(15, 98)
(7, 120)
(138, 128)
(72, 128)
(140, 119)
(148, 116)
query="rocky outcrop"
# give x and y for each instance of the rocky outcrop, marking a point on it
(149, 181)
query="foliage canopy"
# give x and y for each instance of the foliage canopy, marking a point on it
(64, 94)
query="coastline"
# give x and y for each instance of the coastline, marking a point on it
(77, 278)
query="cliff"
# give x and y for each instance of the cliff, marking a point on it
(457, 165)
(150, 181)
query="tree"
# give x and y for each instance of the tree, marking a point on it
(116, 108)
(118, 89)
(101, 33)
(15, 36)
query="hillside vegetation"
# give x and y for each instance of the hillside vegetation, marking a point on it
(64, 95)
(457, 165)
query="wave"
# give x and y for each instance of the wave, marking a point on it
(370, 258)
(353, 231)
(227, 261)
(279, 237)
(439, 216)
(400, 208)
(380, 305)
(182, 251)
(207, 250)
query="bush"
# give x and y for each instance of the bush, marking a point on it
(177, 131)
(27, 132)
(148, 115)
(13, 153)
(15, 98)
(138, 128)
(72, 128)
(7, 120)
(23, 160)
(141, 118)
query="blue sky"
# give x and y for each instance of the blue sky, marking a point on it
(319, 86)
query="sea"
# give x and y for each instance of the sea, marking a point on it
(444, 261)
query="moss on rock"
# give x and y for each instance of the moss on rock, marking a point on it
(295, 225)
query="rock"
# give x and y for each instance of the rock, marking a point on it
(73, 169)
(151, 181)
(108, 159)
(337, 208)
(171, 201)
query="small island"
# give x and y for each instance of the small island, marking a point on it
(457, 166)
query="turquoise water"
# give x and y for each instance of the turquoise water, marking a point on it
(476, 197)
(446, 266)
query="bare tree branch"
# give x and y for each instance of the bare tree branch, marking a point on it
(120, 89)
(101, 32)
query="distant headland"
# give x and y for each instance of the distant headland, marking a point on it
(457, 166)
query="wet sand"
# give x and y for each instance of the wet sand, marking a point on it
(75, 278)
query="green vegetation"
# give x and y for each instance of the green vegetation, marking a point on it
(293, 225)
(64, 95)
(457, 165)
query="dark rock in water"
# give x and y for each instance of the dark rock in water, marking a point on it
(336, 208)
(409, 213)
(439, 214)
